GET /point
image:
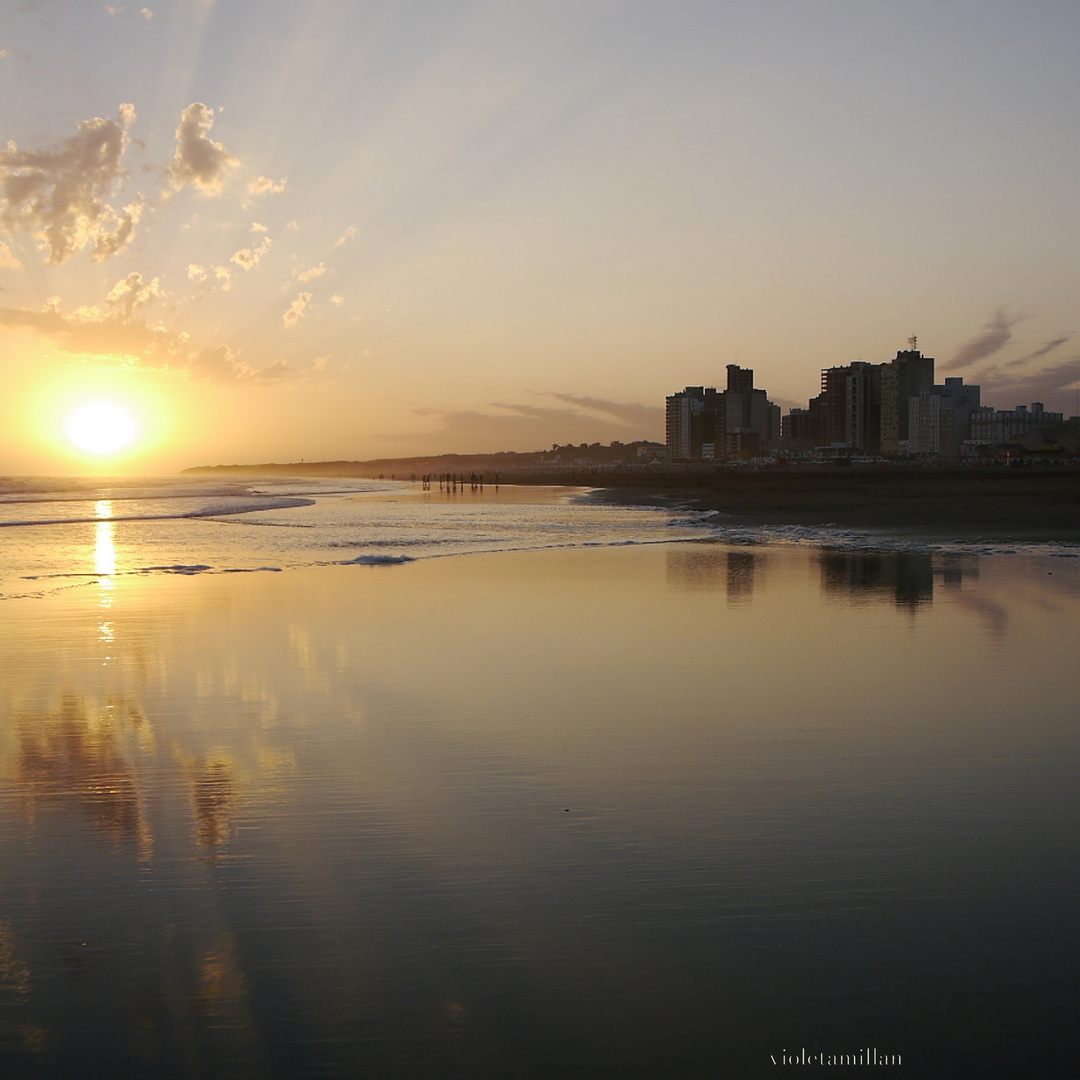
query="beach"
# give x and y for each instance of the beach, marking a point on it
(561, 812)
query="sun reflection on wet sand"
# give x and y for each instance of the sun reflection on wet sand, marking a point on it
(560, 754)
(105, 560)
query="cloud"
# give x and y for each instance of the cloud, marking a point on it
(312, 272)
(249, 258)
(110, 333)
(1054, 386)
(112, 9)
(633, 414)
(132, 293)
(198, 159)
(195, 272)
(59, 196)
(257, 227)
(123, 229)
(350, 234)
(7, 258)
(996, 334)
(296, 309)
(337, 300)
(146, 13)
(529, 427)
(262, 185)
(1048, 347)
(4, 54)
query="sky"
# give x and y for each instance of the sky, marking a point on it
(278, 231)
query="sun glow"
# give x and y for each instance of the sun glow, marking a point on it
(101, 428)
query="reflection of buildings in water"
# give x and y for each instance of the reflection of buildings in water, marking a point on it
(701, 568)
(905, 577)
(954, 568)
(740, 576)
(70, 755)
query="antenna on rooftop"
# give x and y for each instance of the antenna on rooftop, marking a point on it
(913, 341)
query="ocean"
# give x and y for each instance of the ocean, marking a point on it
(347, 778)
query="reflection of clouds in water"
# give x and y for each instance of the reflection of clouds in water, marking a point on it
(221, 983)
(213, 801)
(14, 974)
(71, 756)
(994, 616)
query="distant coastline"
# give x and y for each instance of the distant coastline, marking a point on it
(1034, 503)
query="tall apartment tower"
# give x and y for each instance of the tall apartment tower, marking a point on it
(751, 421)
(704, 424)
(691, 422)
(850, 405)
(908, 375)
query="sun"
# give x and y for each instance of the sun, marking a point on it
(101, 428)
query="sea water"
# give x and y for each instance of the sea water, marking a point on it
(604, 794)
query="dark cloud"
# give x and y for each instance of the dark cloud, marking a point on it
(996, 334)
(59, 196)
(532, 427)
(1054, 386)
(645, 417)
(1049, 347)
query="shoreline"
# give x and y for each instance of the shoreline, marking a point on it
(1003, 506)
(1032, 504)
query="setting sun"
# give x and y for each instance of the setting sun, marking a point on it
(101, 427)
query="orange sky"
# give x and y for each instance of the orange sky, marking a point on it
(279, 231)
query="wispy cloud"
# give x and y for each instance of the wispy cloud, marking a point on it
(312, 272)
(995, 335)
(248, 258)
(347, 237)
(296, 309)
(7, 258)
(1049, 347)
(110, 333)
(60, 196)
(532, 427)
(263, 185)
(199, 160)
(1055, 386)
(631, 414)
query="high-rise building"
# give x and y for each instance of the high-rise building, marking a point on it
(751, 421)
(908, 375)
(939, 420)
(850, 405)
(691, 422)
(704, 424)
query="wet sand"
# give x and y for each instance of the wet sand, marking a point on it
(1022, 504)
(637, 811)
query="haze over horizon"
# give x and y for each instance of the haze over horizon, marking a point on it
(349, 231)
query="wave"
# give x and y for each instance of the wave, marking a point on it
(214, 510)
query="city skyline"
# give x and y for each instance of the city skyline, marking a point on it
(353, 231)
